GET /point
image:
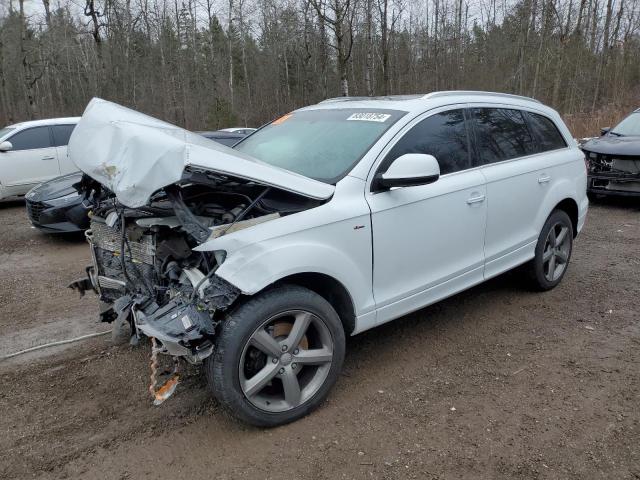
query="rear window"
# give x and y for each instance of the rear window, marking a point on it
(61, 134)
(501, 134)
(30, 139)
(547, 135)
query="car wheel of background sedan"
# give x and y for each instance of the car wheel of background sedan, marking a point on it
(277, 356)
(553, 251)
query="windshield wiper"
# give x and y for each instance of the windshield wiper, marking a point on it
(616, 134)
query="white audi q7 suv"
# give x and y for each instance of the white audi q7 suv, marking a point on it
(257, 261)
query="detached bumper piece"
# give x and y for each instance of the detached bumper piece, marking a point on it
(181, 326)
(84, 284)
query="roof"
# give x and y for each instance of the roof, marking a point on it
(419, 102)
(46, 121)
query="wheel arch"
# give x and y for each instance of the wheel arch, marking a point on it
(570, 207)
(329, 288)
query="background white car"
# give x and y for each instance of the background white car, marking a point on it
(34, 152)
(240, 130)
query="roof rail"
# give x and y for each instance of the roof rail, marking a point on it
(476, 92)
(342, 99)
(384, 97)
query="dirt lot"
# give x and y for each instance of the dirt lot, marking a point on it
(494, 383)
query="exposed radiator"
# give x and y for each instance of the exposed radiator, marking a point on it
(139, 260)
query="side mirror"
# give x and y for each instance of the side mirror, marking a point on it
(409, 170)
(6, 146)
(604, 130)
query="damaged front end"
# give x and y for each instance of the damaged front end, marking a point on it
(145, 271)
(614, 174)
(155, 193)
(151, 282)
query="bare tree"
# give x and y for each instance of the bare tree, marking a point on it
(203, 64)
(339, 15)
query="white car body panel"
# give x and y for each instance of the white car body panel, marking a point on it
(110, 141)
(442, 250)
(21, 170)
(412, 266)
(321, 240)
(417, 245)
(394, 251)
(513, 226)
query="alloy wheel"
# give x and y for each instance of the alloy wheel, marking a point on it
(286, 361)
(557, 249)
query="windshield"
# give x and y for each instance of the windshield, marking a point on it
(5, 131)
(630, 126)
(320, 144)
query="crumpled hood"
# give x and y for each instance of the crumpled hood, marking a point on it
(612, 145)
(134, 155)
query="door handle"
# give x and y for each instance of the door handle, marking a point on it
(48, 158)
(477, 198)
(544, 178)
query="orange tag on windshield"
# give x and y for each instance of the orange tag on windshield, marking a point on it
(282, 119)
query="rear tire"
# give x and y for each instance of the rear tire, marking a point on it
(277, 356)
(553, 252)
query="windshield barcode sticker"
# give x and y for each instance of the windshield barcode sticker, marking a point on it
(370, 117)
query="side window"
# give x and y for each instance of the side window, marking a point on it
(443, 135)
(501, 134)
(548, 137)
(30, 139)
(61, 134)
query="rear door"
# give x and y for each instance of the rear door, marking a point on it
(61, 135)
(518, 175)
(32, 160)
(428, 239)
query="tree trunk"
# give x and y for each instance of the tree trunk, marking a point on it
(230, 38)
(602, 64)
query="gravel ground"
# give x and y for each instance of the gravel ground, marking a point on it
(496, 382)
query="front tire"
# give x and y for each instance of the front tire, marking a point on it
(553, 252)
(277, 356)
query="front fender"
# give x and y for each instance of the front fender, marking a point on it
(257, 266)
(333, 239)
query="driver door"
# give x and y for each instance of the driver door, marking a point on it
(428, 240)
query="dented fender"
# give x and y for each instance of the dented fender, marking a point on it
(333, 239)
(256, 267)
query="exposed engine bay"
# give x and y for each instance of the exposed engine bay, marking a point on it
(144, 269)
(154, 193)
